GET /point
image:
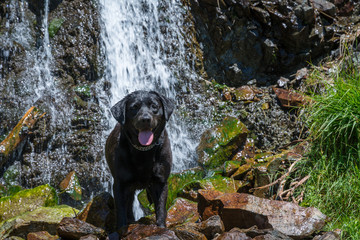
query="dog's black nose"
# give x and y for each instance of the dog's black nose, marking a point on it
(145, 119)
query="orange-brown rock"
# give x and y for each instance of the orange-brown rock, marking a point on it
(208, 205)
(289, 98)
(43, 235)
(244, 93)
(100, 212)
(181, 211)
(12, 145)
(245, 210)
(141, 231)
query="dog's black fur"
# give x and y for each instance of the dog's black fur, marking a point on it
(132, 165)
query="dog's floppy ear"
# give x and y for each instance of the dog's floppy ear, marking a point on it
(119, 109)
(168, 105)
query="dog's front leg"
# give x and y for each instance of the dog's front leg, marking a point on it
(122, 203)
(159, 192)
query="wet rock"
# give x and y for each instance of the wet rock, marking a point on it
(89, 237)
(140, 231)
(212, 226)
(176, 183)
(71, 186)
(208, 205)
(244, 211)
(43, 235)
(182, 211)
(324, 6)
(234, 233)
(184, 233)
(270, 234)
(217, 182)
(41, 219)
(218, 144)
(100, 212)
(27, 200)
(289, 98)
(328, 236)
(73, 228)
(230, 167)
(12, 146)
(244, 93)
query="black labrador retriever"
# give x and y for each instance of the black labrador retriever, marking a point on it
(138, 153)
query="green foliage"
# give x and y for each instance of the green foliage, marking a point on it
(54, 26)
(333, 118)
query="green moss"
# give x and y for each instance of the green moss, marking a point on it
(176, 183)
(218, 144)
(83, 91)
(54, 26)
(47, 217)
(217, 182)
(27, 200)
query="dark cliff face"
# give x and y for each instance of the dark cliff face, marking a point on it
(62, 84)
(245, 40)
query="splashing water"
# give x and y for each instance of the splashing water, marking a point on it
(145, 50)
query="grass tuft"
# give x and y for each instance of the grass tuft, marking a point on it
(333, 118)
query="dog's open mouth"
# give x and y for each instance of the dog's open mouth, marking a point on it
(146, 137)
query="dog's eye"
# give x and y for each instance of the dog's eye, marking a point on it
(154, 107)
(135, 107)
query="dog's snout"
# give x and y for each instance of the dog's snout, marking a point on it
(145, 118)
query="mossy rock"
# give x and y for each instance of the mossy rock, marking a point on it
(219, 144)
(176, 182)
(54, 26)
(41, 219)
(27, 200)
(217, 182)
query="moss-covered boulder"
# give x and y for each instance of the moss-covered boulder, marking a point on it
(176, 182)
(216, 182)
(27, 200)
(220, 143)
(41, 219)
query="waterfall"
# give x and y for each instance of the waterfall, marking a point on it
(145, 50)
(144, 47)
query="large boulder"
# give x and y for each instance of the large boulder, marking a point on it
(220, 143)
(41, 219)
(244, 211)
(27, 200)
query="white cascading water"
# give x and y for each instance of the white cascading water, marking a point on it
(145, 50)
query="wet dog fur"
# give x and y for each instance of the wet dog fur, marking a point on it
(133, 165)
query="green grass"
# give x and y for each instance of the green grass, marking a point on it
(333, 118)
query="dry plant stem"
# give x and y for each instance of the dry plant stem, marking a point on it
(281, 178)
(289, 192)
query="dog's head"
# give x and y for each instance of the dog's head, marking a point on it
(143, 115)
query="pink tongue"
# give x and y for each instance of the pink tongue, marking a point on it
(145, 138)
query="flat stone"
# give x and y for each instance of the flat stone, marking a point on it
(42, 235)
(141, 231)
(234, 233)
(73, 228)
